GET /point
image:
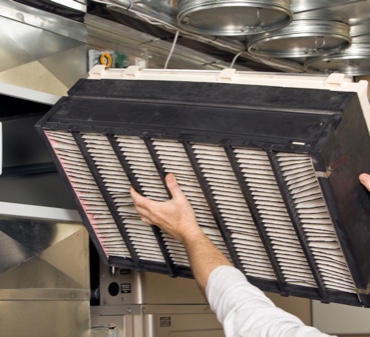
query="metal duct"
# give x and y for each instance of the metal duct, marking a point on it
(56, 56)
(353, 61)
(310, 34)
(269, 162)
(232, 18)
(72, 9)
(44, 273)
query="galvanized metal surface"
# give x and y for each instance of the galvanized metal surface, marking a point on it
(163, 14)
(44, 278)
(41, 19)
(103, 33)
(231, 18)
(39, 50)
(45, 318)
(354, 61)
(208, 31)
(302, 38)
(79, 5)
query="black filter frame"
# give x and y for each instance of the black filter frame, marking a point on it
(327, 125)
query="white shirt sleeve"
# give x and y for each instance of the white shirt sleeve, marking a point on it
(245, 311)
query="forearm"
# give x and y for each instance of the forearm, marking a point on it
(204, 257)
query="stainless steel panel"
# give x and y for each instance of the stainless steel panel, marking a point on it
(186, 325)
(158, 321)
(125, 286)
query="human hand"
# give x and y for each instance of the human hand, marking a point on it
(175, 216)
(365, 180)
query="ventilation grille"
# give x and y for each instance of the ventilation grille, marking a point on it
(273, 183)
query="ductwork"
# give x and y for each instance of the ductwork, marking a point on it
(260, 35)
(318, 30)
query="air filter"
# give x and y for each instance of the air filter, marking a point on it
(269, 162)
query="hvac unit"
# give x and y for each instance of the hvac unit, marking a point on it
(270, 163)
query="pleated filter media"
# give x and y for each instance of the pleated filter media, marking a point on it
(270, 170)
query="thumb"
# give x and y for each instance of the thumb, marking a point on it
(173, 186)
(139, 199)
(365, 180)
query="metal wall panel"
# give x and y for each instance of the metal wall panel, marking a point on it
(39, 50)
(44, 273)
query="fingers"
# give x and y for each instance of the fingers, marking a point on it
(171, 183)
(365, 180)
(173, 186)
(146, 220)
(140, 200)
(164, 214)
(142, 205)
(133, 193)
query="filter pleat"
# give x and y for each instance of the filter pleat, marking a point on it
(88, 193)
(173, 158)
(117, 185)
(233, 209)
(259, 177)
(175, 248)
(141, 165)
(216, 230)
(316, 221)
(216, 170)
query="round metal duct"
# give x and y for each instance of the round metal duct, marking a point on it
(354, 61)
(310, 34)
(308, 5)
(233, 18)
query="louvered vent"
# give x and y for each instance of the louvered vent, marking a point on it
(271, 173)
